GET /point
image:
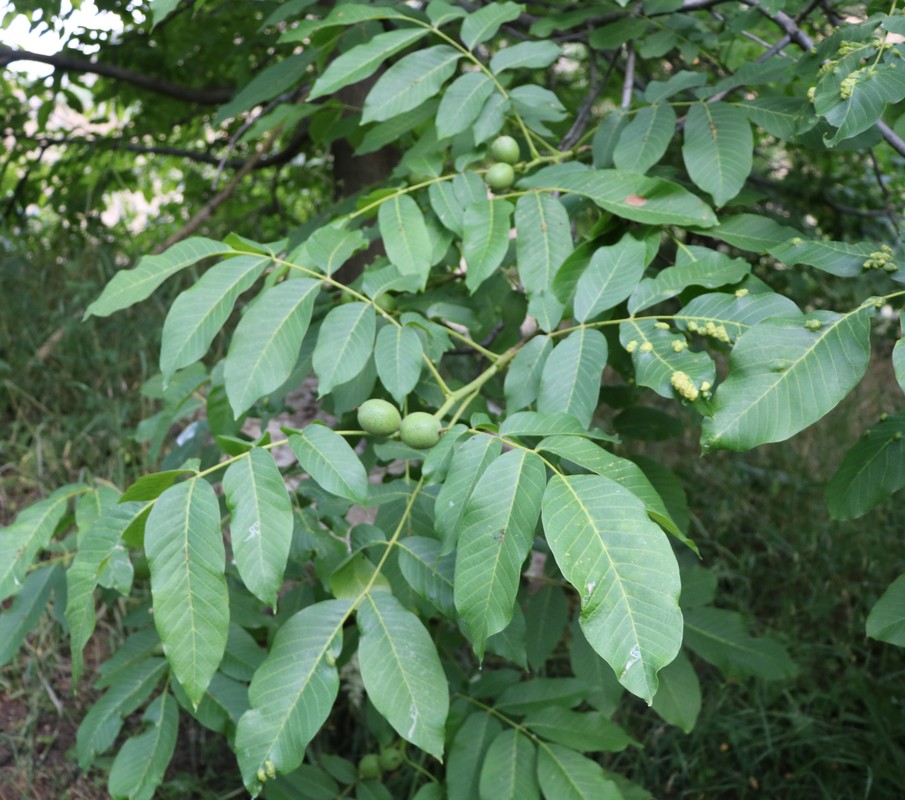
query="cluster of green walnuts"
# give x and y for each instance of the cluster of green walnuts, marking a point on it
(373, 765)
(381, 418)
(505, 152)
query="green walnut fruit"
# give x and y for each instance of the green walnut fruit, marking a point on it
(505, 149)
(385, 302)
(500, 176)
(390, 759)
(420, 430)
(369, 766)
(379, 417)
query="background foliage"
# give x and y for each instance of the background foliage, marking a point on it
(705, 214)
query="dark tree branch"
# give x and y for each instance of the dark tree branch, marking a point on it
(65, 63)
(292, 148)
(207, 211)
(584, 113)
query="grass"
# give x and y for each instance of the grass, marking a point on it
(68, 390)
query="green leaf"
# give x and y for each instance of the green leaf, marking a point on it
(329, 459)
(467, 755)
(409, 82)
(441, 12)
(495, 537)
(398, 356)
(695, 266)
(509, 769)
(306, 783)
(331, 246)
(485, 237)
(536, 106)
(483, 24)
(243, 655)
(734, 313)
(511, 642)
(268, 83)
(720, 638)
(97, 545)
(607, 137)
(427, 572)
(199, 312)
(570, 382)
(837, 258)
(405, 235)
(546, 617)
(187, 560)
(491, 119)
(292, 692)
(625, 572)
(752, 232)
(782, 117)
(130, 286)
(658, 355)
(644, 140)
(870, 471)
(611, 276)
(678, 700)
(29, 534)
(447, 206)
(138, 647)
(898, 358)
(587, 732)
(566, 775)
(543, 243)
(524, 375)
(364, 60)
(469, 462)
(344, 15)
(128, 691)
(161, 9)
(525, 55)
(874, 87)
(779, 363)
(261, 522)
(17, 621)
(266, 344)
(401, 671)
(150, 487)
(717, 149)
(886, 620)
(626, 473)
(658, 91)
(462, 103)
(142, 761)
(534, 423)
(392, 130)
(344, 344)
(653, 201)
